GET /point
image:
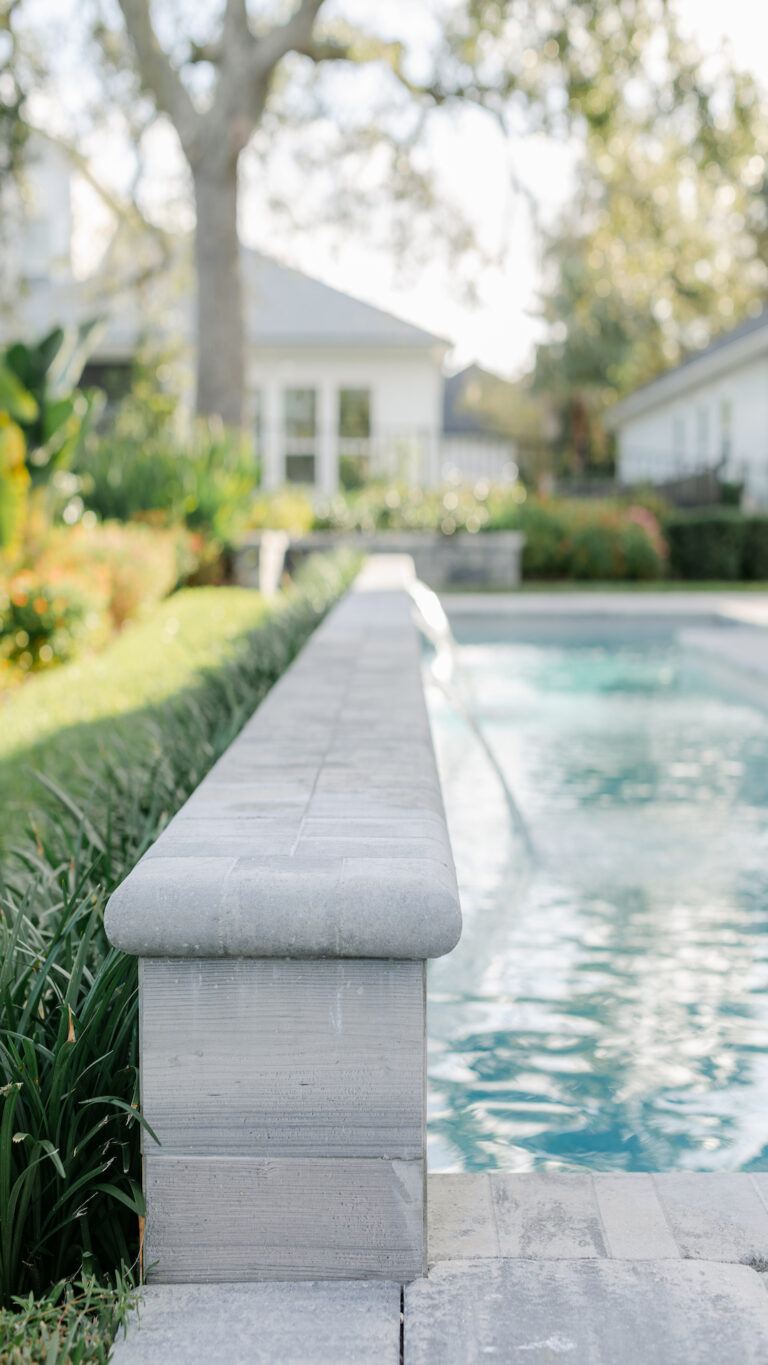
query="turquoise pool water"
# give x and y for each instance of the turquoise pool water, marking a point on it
(606, 1008)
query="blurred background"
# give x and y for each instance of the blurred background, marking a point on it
(452, 268)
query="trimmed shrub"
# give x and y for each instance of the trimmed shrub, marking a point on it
(707, 544)
(755, 561)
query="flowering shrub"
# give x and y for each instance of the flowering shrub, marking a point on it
(81, 584)
(590, 541)
(139, 564)
(47, 618)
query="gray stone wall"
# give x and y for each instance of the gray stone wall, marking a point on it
(283, 921)
(487, 559)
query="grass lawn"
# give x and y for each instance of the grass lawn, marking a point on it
(57, 722)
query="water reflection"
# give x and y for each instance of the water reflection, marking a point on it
(609, 1008)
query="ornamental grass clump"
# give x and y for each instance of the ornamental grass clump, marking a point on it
(73, 1324)
(70, 1196)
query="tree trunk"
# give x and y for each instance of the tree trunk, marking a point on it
(220, 367)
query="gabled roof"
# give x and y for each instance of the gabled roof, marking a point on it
(286, 308)
(726, 352)
(462, 402)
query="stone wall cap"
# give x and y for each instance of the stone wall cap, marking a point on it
(321, 831)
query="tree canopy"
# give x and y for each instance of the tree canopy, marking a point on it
(665, 245)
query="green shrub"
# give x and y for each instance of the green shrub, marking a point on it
(289, 509)
(205, 481)
(47, 618)
(136, 565)
(755, 561)
(590, 541)
(74, 1324)
(706, 544)
(400, 507)
(69, 1157)
(731, 493)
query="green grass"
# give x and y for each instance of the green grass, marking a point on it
(60, 722)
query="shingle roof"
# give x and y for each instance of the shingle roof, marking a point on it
(286, 308)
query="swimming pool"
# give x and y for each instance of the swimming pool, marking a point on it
(607, 1006)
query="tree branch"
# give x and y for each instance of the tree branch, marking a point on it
(157, 72)
(235, 26)
(290, 37)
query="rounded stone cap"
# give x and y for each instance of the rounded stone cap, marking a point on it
(321, 830)
(248, 907)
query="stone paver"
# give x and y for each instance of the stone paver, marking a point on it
(460, 1218)
(346, 1323)
(551, 1216)
(634, 1222)
(716, 1217)
(587, 1313)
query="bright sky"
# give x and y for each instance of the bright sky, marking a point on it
(500, 328)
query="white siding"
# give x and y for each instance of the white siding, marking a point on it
(406, 404)
(726, 418)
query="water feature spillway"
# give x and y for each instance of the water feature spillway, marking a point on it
(445, 673)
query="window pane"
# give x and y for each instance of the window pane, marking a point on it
(300, 468)
(354, 413)
(300, 413)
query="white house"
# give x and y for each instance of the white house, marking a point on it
(708, 414)
(336, 389)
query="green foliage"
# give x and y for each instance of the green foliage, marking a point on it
(289, 509)
(133, 566)
(73, 1324)
(663, 245)
(80, 584)
(401, 507)
(564, 539)
(707, 544)
(206, 481)
(46, 619)
(14, 483)
(38, 389)
(69, 1159)
(590, 541)
(755, 560)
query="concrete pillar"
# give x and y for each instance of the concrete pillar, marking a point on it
(273, 468)
(327, 468)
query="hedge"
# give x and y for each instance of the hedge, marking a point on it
(717, 544)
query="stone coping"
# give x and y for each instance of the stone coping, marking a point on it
(321, 831)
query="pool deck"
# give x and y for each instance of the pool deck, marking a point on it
(540, 1268)
(749, 608)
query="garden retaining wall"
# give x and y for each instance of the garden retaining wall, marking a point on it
(283, 921)
(488, 558)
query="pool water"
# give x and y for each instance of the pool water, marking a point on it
(607, 1007)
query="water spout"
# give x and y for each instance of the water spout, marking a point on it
(445, 672)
